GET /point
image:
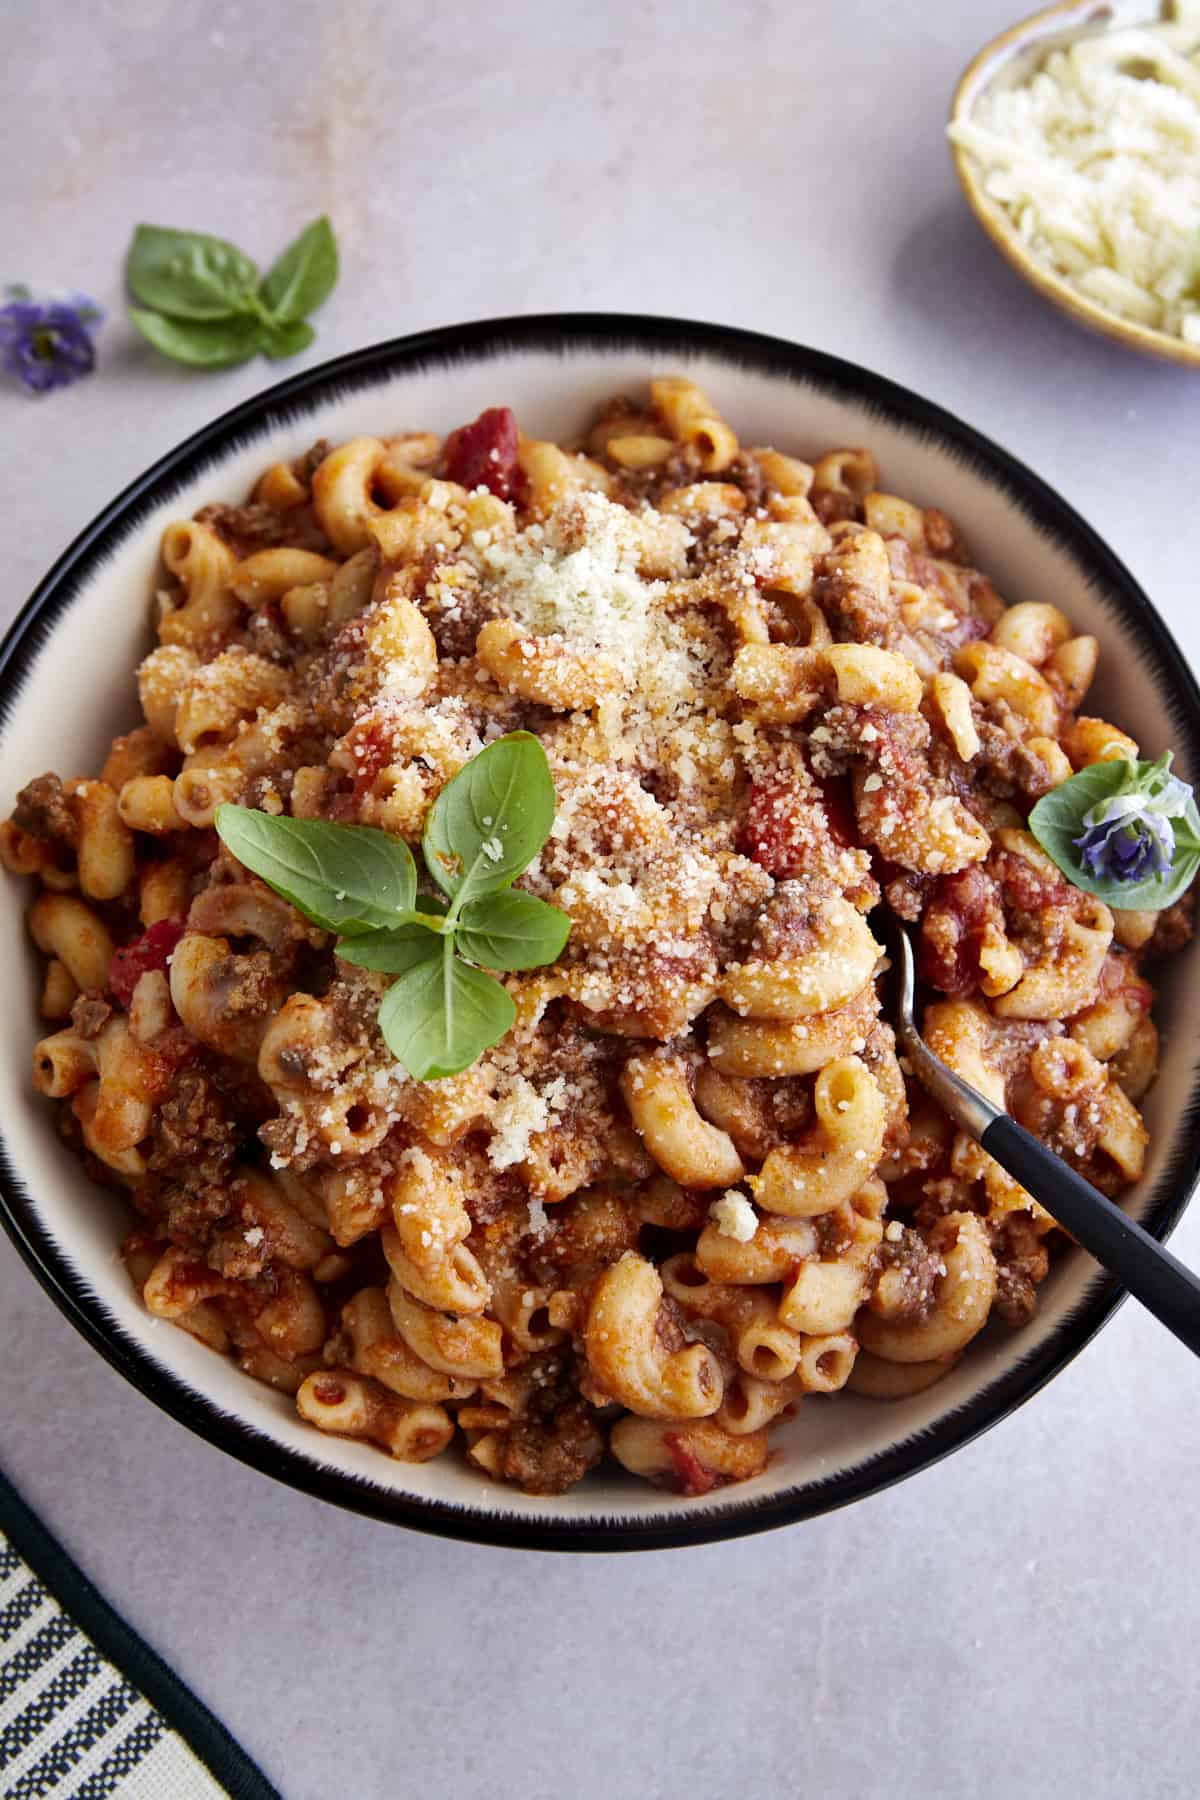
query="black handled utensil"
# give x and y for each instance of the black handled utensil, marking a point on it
(1155, 1277)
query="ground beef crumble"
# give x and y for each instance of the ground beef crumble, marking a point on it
(195, 1140)
(554, 1443)
(41, 809)
(908, 1269)
(90, 1014)
(257, 527)
(1022, 1263)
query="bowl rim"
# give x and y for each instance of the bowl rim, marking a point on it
(995, 221)
(478, 342)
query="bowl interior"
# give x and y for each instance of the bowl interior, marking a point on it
(69, 687)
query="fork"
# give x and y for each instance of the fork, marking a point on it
(1155, 1277)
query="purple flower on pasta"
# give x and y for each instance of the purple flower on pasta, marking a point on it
(1130, 836)
(47, 344)
(1127, 849)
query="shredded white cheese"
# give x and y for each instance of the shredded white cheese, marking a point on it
(519, 1112)
(577, 578)
(1096, 160)
(734, 1217)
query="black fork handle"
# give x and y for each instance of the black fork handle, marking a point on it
(1155, 1277)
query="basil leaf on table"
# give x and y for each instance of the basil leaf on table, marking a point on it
(488, 823)
(440, 1016)
(188, 275)
(285, 339)
(345, 878)
(511, 930)
(202, 343)
(1058, 820)
(303, 277)
(202, 302)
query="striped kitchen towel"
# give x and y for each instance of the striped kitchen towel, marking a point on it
(87, 1709)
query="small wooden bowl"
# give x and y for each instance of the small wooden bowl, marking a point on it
(1011, 56)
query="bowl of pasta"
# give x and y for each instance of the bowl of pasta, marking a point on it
(447, 799)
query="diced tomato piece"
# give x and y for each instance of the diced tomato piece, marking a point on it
(782, 824)
(839, 809)
(1027, 889)
(153, 950)
(690, 1472)
(370, 744)
(770, 831)
(484, 454)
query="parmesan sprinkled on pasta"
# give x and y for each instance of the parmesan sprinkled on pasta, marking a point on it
(520, 1111)
(577, 578)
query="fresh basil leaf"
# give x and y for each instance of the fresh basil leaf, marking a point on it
(286, 340)
(490, 821)
(394, 951)
(304, 276)
(345, 878)
(204, 344)
(1150, 895)
(511, 930)
(1057, 820)
(188, 275)
(440, 1016)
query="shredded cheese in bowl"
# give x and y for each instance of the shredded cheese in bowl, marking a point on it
(1096, 161)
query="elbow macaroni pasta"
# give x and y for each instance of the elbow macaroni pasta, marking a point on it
(693, 1192)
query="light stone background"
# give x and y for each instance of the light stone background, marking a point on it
(1020, 1621)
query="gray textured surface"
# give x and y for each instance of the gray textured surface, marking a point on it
(1017, 1622)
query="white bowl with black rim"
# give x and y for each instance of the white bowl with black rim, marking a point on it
(66, 686)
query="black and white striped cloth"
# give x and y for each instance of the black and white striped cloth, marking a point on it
(87, 1709)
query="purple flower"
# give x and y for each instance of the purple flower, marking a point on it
(1127, 849)
(47, 344)
(1130, 836)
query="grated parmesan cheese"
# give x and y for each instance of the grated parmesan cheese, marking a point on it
(734, 1217)
(577, 578)
(518, 1113)
(1096, 160)
(539, 1223)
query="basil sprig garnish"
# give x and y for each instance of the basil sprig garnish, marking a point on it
(202, 301)
(484, 829)
(1126, 831)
